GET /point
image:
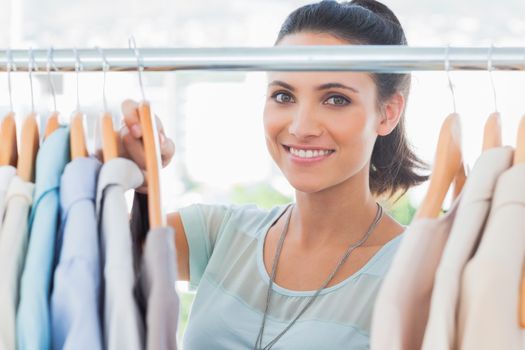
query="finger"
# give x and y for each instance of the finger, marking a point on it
(160, 127)
(167, 150)
(161, 132)
(133, 148)
(131, 117)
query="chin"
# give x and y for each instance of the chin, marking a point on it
(307, 185)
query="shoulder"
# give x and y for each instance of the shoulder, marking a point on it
(381, 261)
(245, 218)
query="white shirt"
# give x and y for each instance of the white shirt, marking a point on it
(123, 326)
(6, 173)
(13, 247)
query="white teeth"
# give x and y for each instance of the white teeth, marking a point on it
(309, 153)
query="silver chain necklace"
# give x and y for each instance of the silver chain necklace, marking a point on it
(258, 342)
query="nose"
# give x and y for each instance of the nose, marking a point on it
(304, 123)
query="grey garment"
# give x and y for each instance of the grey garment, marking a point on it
(490, 286)
(156, 289)
(461, 245)
(122, 323)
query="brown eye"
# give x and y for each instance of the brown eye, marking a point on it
(282, 97)
(337, 101)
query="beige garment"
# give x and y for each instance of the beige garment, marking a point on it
(488, 313)
(123, 325)
(6, 174)
(13, 246)
(402, 305)
(462, 242)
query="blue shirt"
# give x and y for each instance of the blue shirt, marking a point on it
(33, 321)
(226, 265)
(75, 300)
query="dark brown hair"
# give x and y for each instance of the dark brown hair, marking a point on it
(394, 165)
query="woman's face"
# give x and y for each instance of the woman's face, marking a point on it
(320, 127)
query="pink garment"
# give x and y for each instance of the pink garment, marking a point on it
(402, 306)
(488, 313)
(461, 245)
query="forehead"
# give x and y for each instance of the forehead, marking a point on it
(359, 80)
(311, 38)
(311, 80)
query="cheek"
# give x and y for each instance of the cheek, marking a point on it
(356, 136)
(274, 121)
(351, 129)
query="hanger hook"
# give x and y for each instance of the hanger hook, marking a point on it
(50, 64)
(490, 68)
(105, 68)
(10, 67)
(450, 85)
(31, 65)
(140, 64)
(78, 68)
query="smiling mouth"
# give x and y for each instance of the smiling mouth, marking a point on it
(308, 153)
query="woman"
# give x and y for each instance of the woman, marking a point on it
(305, 275)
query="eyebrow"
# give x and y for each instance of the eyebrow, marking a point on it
(320, 87)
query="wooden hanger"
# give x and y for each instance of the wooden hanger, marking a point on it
(52, 124)
(459, 181)
(110, 149)
(28, 148)
(491, 139)
(492, 132)
(519, 158)
(77, 137)
(447, 164)
(8, 150)
(150, 140)
(152, 157)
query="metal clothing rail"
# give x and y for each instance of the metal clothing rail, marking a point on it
(385, 59)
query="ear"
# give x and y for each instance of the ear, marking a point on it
(391, 114)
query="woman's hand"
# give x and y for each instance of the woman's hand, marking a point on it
(131, 140)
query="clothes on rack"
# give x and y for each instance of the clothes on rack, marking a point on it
(402, 305)
(156, 283)
(6, 173)
(455, 281)
(33, 325)
(13, 247)
(75, 299)
(74, 275)
(488, 317)
(462, 242)
(122, 323)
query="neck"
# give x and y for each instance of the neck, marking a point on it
(337, 215)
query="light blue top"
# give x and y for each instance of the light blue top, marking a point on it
(226, 264)
(75, 300)
(33, 321)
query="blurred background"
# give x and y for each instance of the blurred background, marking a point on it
(215, 118)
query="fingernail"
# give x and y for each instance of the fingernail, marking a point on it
(162, 139)
(136, 131)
